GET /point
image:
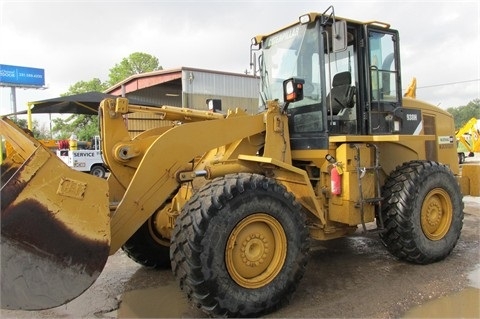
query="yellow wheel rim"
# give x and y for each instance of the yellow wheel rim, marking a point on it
(256, 251)
(436, 215)
(158, 234)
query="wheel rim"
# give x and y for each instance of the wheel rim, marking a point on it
(152, 223)
(437, 212)
(256, 250)
(97, 172)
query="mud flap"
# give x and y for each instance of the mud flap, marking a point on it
(55, 227)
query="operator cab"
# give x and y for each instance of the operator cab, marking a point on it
(350, 73)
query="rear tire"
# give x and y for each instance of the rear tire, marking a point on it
(240, 246)
(422, 212)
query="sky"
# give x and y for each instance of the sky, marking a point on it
(80, 40)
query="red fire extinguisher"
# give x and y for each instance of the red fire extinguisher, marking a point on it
(335, 180)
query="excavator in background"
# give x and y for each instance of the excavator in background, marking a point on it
(468, 139)
(231, 202)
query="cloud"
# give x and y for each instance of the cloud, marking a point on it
(81, 40)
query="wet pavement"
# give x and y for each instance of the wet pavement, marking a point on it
(348, 277)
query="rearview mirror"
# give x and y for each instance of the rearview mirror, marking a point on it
(339, 39)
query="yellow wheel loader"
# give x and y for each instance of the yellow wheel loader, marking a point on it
(232, 201)
(468, 139)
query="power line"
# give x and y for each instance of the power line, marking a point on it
(451, 83)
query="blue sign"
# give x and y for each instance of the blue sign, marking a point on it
(21, 76)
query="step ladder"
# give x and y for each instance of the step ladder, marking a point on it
(377, 199)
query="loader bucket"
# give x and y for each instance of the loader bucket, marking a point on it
(55, 226)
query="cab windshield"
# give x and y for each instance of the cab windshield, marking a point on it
(293, 52)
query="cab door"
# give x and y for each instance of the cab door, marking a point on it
(384, 97)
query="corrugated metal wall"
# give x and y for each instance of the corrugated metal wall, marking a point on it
(164, 94)
(198, 101)
(235, 90)
(195, 87)
(225, 84)
(139, 122)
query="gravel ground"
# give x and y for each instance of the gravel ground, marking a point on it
(348, 277)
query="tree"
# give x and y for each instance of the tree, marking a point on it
(462, 114)
(135, 63)
(81, 87)
(39, 132)
(86, 126)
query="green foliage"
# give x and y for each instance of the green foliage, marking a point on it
(83, 87)
(84, 126)
(38, 132)
(135, 63)
(462, 114)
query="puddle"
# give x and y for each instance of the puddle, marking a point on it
(463, 304)
(160, 302)
(474, 278)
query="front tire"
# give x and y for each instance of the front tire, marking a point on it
(422, 212)
(240, 246)
(147, 247)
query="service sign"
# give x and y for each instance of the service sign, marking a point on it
(21, 76)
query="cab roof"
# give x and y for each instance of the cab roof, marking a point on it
(314, 16)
